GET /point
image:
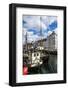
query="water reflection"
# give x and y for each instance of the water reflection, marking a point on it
(45, 68)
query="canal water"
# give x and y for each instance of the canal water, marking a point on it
(46, 68)
(52, 63)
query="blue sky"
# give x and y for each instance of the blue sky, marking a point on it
(33, 24)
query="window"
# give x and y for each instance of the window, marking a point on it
(37, 54)
(34, 54)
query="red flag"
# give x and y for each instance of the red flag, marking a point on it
(25, 70)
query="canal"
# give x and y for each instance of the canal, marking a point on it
(46, 68)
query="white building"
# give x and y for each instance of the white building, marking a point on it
(51, 42)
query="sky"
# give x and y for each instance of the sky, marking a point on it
(33, 25)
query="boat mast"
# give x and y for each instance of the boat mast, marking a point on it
(40, 31)
(26, 42)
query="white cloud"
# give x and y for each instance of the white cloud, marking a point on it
(33, 38)
(49, 32)
(37, 23)
(24, 31)
(29, 33)
(34, 22)
(45, 35)
(30, 36)
(52, 19)
(31, 21)
(43, 26)
(47, 20)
